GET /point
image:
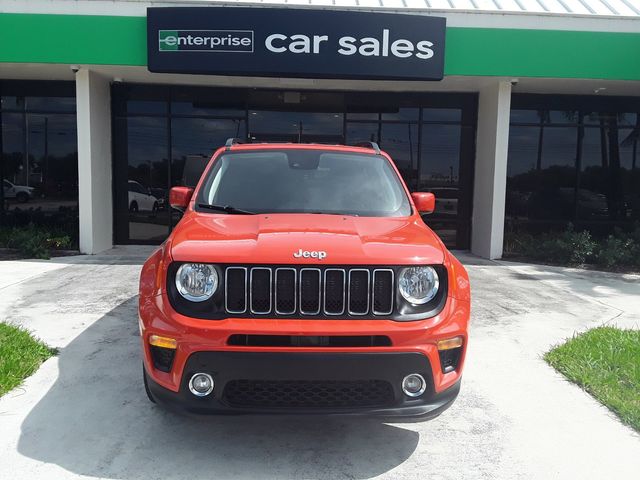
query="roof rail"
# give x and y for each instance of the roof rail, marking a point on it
(231, 141)
(372, 145)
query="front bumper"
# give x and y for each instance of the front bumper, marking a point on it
(314, 371)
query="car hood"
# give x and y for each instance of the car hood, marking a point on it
(274, 238)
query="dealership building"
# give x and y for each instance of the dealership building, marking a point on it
(520, 115)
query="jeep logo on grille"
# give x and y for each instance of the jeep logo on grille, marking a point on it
(320, 254)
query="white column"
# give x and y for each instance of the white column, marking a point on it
(490, 182)
(93, 103)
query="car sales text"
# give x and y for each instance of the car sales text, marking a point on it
(367, 46)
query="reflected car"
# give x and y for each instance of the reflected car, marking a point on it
(140, 199)
(21, 193)
(302, 279)
(161, 197)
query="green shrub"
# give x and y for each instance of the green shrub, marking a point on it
(619, 250)
(33, 241)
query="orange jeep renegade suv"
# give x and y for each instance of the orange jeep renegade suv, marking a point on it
(302, 279)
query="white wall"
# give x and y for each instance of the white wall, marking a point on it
(93, 100)
(490, 182)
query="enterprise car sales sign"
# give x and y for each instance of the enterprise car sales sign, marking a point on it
(291, 42)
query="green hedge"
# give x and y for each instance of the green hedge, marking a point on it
(572, 248)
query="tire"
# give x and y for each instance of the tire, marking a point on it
(133, 206)
(22, 197)
(146, 386)
(155, 207)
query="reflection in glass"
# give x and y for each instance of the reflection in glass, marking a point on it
(441, 114)
(400, 141)
(51, 104)
(440, 174)
(297, 127)
(40, 169)
(148, 170)
(193, 141)
(544, 187)
(362, 132)
(402, 114)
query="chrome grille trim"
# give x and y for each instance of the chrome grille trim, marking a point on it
(226, 289)
(392, 291)
(251, 290)
(344, 286)
(295, 296)
(368, 291)
(302, 270)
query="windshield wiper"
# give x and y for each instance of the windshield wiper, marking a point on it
(226, 208)
(334, 213)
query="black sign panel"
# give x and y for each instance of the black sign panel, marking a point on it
(291, 42)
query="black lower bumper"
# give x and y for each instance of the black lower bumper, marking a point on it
(308, 383)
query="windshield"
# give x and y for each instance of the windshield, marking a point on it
(305, 181)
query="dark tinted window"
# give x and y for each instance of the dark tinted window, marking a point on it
(566, 166)
(310, 181)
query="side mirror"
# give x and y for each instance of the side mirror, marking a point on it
(179, 197)
(425, 202)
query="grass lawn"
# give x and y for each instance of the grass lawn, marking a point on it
(605, 362)
(20, 356)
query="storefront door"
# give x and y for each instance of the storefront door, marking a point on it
(164, 138)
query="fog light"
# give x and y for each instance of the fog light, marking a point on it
(414, 385)
(201, 384)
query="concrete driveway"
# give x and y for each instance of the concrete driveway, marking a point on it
(85, 414)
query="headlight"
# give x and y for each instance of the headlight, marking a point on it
(196, 282)
(418, 285)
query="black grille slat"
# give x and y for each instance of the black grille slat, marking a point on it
(260, 290)
(326, 291)
(308, 393)
(383, 292)
(285, 291)
(334, 291)
(310, 291)
(358, 292)
(236, 290)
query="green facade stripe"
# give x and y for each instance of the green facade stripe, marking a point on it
(83, 39)
(115, 40)
(542, 53)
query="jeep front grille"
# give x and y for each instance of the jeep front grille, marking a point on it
(306, 291)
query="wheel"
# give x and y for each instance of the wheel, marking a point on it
(155, 207)
(22, 197)
(146, 386)
(133, 207)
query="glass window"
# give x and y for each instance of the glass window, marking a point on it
(440, 174)
(40, 161)
(402, 114)
(609, 177)
(197, 108)
(51, 104)
(306, 181)
(441, 114)
(400, 141)
(144, 107)
(305, 127)
(11, 103)
(194, 140)
(525, 116)
(148, 178)
(362, 132)
(363, 116)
